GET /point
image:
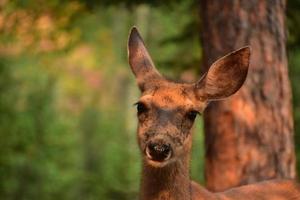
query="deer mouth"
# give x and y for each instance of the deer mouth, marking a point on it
(158, 152)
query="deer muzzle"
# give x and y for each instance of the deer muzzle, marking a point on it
(158, 151)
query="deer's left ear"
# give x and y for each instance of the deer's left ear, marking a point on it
(225, 76)
(140, 61)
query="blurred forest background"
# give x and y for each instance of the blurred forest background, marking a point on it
(67, 120)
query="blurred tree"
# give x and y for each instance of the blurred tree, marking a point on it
(249, 137)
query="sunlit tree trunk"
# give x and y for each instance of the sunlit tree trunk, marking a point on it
(249, 137)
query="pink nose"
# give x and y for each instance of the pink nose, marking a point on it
(158, 152)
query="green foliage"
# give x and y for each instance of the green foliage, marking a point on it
(67, 92)
(293, 22)
(294, 63)
(67, 123)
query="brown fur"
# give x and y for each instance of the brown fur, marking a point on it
(166, 116)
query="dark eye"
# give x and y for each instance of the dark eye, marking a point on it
(192, 115)
(141, 108)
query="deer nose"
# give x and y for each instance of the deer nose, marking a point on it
(158, 151)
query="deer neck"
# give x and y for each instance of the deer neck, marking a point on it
(171, 182)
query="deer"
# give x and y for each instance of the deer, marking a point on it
(166, 112)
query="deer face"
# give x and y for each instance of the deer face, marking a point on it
(166, 110)
(166, 115)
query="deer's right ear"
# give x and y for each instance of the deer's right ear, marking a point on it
(140, 61)
(225, 76)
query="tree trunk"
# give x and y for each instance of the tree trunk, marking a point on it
(249, 137)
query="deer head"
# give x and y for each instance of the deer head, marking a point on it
(166, 110)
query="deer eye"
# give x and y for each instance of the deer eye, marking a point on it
(191, 115)
(141, 108)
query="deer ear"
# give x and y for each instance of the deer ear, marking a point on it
(225, 76)
(140, 61)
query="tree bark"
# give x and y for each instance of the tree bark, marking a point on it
(249, 137)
